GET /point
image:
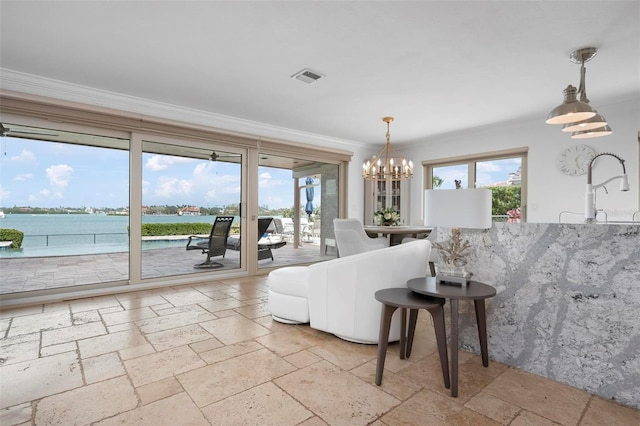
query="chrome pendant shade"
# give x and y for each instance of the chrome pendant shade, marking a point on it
(592, 123)
(592, 133)
(577, 116)
(571, 110)
(388, 163)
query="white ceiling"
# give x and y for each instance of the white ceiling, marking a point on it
(436, 66)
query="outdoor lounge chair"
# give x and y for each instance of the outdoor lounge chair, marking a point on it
(215, 245)
(266, 243)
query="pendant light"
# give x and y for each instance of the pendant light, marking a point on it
(577, 116)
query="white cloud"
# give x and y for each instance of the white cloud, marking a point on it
(487, 166)
(157, 163)
(22, 177)
(172, 187)
(265, 175)
(4, 193)
(25, 156)
(59, 175)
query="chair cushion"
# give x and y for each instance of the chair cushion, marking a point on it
(291, 280)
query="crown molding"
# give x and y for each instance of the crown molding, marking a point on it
(56, 89)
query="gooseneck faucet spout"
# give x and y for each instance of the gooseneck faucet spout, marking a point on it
(590, 198)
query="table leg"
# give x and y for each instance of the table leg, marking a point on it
(481, 320)
(413, 319)
(454, 347)
(403, 332)
(383, 339)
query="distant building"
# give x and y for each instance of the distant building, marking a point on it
(189, 211)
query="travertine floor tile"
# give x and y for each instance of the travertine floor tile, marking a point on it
(19, 352)
(335, 395)
(70, 334)
(37, 322)
(189, 297)
(110, 343)
(494, 408)
(178, 337)
(175, 410)
(221, 380)
(234, 329)
(533, 393)
(265, 404)
(16, 415)
(87, 404)
(181, 318)
(392, 383)
(102, 367)
(288, 342)
(129, 315)
(601, 412)
(159, 390)
(30, 380)
(171, 356)
(430, 408)
(345, 355)
(150, 368)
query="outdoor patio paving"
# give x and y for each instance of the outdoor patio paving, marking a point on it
(19, 274)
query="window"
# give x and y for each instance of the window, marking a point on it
(504, 173)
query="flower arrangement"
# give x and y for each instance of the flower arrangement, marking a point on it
(387, 217)
(513, 215)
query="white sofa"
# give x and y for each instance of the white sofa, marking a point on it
(337, 296)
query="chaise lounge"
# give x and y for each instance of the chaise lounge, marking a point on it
(266, 243)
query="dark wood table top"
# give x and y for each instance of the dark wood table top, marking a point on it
(473, 290)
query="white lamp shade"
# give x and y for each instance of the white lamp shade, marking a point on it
(458, 208)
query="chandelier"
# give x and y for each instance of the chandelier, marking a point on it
(388, 163)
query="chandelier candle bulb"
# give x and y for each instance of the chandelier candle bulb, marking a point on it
(389, 164)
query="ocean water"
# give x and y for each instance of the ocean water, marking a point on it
(71, 234)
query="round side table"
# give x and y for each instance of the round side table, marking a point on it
(475, 291)
(403, 298)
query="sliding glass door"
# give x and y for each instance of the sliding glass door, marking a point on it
(185, 187)
(64, 206)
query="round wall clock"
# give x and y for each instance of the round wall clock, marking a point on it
(575, 160)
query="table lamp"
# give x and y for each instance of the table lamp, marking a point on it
(456, 208)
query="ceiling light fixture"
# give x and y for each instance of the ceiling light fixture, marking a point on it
(578, 116)
(388, 163)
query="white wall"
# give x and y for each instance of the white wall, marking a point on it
(549, 190)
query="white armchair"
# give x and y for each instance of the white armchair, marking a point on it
(340, 292)
(351, 238)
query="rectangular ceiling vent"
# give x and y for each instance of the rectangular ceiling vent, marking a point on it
(307, 76)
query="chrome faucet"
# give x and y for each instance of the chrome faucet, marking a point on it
(590, 210)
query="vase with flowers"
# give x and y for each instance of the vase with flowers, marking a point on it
(387, 217)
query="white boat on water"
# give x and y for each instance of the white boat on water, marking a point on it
(1, 214)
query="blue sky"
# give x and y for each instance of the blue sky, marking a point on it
(46, 174)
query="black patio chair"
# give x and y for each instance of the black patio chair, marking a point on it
(215, 245)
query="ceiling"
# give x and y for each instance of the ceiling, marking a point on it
(436, 66)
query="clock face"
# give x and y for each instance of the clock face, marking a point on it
(575, 160)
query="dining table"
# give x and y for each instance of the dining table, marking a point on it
(396, 233)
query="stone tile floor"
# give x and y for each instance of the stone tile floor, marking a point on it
(210, 354)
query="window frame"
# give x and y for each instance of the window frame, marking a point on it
(471, 160)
